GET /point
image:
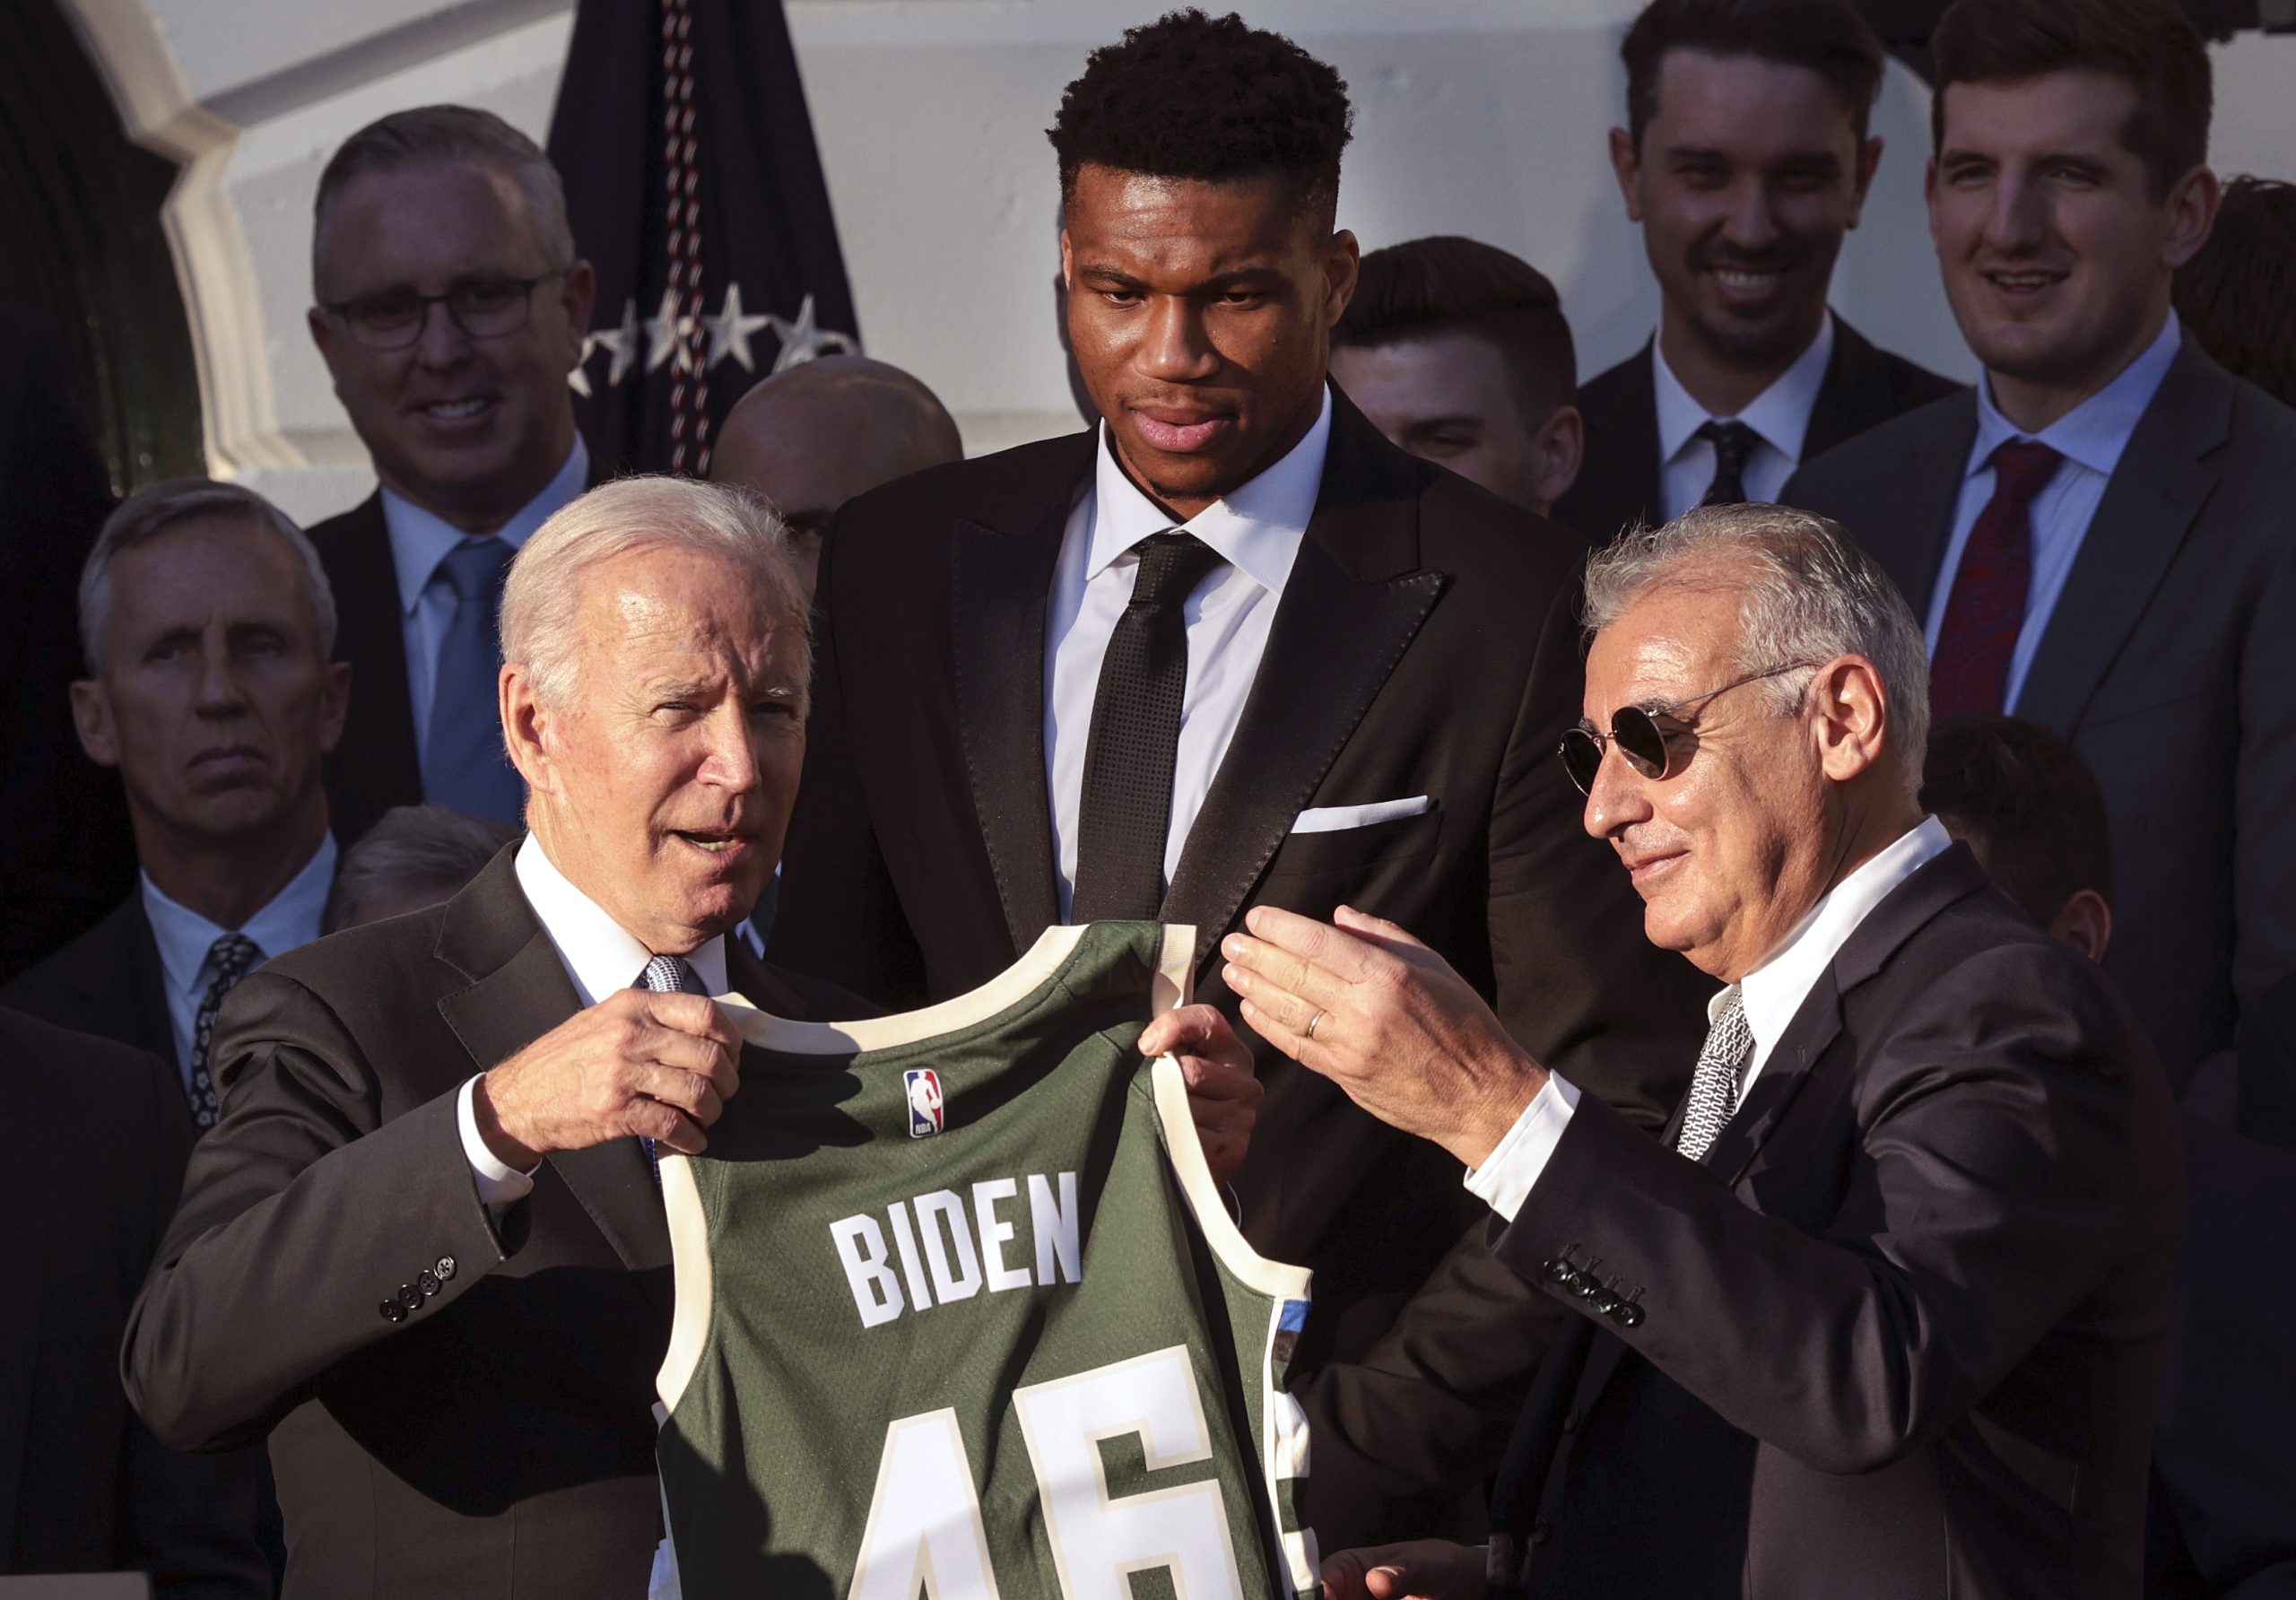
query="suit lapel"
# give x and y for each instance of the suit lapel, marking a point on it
(1354, 600)
(1856, 395)
(519, 992)
(2148, 508)
(999, 582)
(24, 1188)
(379, 762)
(1909, 526)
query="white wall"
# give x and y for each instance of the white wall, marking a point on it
(1478, 117)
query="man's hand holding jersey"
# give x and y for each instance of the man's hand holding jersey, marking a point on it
(1222, 1092)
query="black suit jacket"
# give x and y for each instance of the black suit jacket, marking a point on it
(66, 850)
(84, 1488)
(500, 1440)
(1426, 643)
(377, 764)
(1619, 482)
(107, 982)
(2169, 663)
(1901, 1330)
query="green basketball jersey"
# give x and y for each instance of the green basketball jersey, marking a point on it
(960, 1312)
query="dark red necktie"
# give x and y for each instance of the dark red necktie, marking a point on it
(1971, 669)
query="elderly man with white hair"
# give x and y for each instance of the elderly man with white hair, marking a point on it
(1884, 1313)
(425, 1251)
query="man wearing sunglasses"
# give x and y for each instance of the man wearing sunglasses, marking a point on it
(1884, 1313)
(450, 307)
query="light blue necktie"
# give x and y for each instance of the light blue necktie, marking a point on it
(466, 769)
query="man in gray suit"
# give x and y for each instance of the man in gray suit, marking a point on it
(2100, 538)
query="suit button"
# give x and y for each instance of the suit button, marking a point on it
(445, 1267)
(1629, 1315)
(409, 1297)
(1541, 1531)
(1556, 1272)
(393, 1311)
(427, 1281)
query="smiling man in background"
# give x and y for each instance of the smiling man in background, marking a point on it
(1745, 158)
(449, 305)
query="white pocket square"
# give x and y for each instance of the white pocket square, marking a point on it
(1333, 819)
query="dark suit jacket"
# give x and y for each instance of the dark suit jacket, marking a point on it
(1901, 1330)
(2170, 663)
(65, 851)
(1426, 643)
(1619, 482)
(378, 762)
(107, 982)
(498, 1441)
(89, 1173)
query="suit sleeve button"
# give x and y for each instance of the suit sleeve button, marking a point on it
(1629, 1315)
(409, 1297)
(427, 1281)
(393, 1311)
(445, 1267)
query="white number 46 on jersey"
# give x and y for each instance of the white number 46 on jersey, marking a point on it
(925, 1530)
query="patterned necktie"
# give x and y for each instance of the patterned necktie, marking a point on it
(1735, 444)
(1979, 637)
(1714, 1086)
(1127, 807)
(665, 975)
(230, 956)
(465, 767)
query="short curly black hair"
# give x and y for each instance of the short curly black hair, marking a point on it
(1209, 97)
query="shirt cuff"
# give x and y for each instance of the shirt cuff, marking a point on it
(1506, 1174)
(499, 1186)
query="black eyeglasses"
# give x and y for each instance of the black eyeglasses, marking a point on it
(483, 308)
(1642, 735)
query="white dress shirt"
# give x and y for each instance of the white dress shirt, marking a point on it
(600, 956)
(1781, 414)
(419, 540)
(1772, 993)
(2091, 437)
(185, 938)
(1256, 530)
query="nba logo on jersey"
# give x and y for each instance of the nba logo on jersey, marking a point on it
(923, 1101)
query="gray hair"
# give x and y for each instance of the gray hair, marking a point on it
(448, 136)
(1807, 595)
(412, 849)
(542, 598)
(148, 513)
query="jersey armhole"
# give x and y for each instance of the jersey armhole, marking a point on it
(690, 1270)
(1277, 1280)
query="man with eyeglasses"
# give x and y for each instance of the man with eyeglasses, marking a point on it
(450, 307)
(1885, 1313)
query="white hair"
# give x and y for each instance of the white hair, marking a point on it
(542, 598)
(148, 513)
(1807, 595)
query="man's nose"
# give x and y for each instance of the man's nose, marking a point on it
(730, 760)
(1616, 798)
(1751, 224)
(1175, 349)
(441, 342)
(219, 693)
(2017, 220)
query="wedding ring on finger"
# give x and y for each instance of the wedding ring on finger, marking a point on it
(1312, 1025)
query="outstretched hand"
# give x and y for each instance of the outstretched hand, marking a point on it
(1222, 1093)
(1419, 1569)
(1361, 1002)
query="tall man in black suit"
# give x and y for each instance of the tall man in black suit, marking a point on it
(1745, 158)
(2100, 538)
(1887, 1320)
(424, 1252)
(84, 1487)
(450, 307)
(1231, 647)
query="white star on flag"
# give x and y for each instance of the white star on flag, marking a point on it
(802, 340)
(665, 331)
(730, 330)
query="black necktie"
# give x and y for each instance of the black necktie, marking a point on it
(231, 955)
(1128, 758)
(1735, 444)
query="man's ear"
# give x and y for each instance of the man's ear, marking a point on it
(91, 719)
(526, 728)
(1343, 258)
(334, 703)
(2085, 922)
(1626, 164)
(1869, 160)
(2192, 207)
(1557, 454)
(1852, 716)
(577, 293)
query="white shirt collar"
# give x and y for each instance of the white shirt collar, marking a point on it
(600, 956)
(291, 918)
(1780, 414)
(2095, 432)
(1256, 529)
(421, 539)
(1774, 991)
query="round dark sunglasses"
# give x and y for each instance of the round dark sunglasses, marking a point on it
(1640, 734)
